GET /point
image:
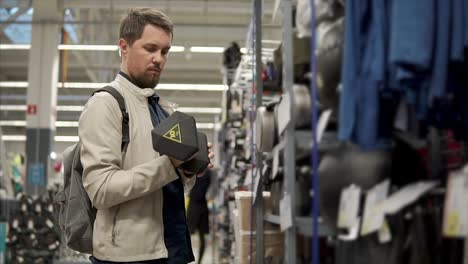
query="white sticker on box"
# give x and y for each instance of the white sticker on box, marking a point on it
(373, 211)
(286, 219)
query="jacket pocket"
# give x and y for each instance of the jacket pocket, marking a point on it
(114, 223)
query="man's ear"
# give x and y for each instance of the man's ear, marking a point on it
(123, 46)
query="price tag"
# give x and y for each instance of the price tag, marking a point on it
(373, 211)
(285, 213)
(456, 199)
(406, 196)
(349, 207)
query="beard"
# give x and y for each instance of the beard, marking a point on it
(145, 81)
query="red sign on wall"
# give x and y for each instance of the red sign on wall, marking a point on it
(32, 109)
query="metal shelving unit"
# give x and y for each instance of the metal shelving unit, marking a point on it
(295, 144)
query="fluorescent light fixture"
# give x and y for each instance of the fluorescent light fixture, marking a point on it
(161, 86)
(200, 110)
(66, 123)
(15, 46)
(22, 123)
(13, 107)
(57, 138)
(69, 108)
(78, 108)
(88, 47)
(207, 49)
(13, 123)
(82, 85)
(66, 138)
(13, 138)
(14, 84)
(191, 87)
(205, 125)
(177, 49)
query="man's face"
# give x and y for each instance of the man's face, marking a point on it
(147, 56)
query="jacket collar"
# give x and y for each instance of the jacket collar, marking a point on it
(125, 80)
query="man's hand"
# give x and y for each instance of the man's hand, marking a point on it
(210, 156)
(176, 163)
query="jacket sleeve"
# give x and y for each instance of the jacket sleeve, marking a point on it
(107, 184)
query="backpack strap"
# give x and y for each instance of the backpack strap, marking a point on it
(123, 109)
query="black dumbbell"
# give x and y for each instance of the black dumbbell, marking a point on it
(176, 137)
(200, 161)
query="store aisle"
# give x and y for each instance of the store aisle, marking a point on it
(208, 256)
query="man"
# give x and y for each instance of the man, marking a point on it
(138, 194)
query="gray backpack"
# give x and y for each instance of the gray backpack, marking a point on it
(76, 214)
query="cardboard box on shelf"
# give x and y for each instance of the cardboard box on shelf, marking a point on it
(273, 246)
(244, 205)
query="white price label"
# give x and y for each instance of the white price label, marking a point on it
(349, 207)
(373, 211)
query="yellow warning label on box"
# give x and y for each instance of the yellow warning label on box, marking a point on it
(174, 134)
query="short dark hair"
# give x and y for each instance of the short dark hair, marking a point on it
(132, 25)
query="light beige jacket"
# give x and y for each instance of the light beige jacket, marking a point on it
(126, 190)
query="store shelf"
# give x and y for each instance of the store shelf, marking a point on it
(304, 143)
(304, 227)
(303, 224)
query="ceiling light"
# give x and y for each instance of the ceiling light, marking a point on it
(13, 107)
(88, 47)
(66, 138)
(207, 49)
(205, 125)
(15, 46)
(57, 138)
(13, 138)
(193, 87)
(79, 108)
(22, 123)
(69, 108)
(66, 123)
(13, 123)
(200, 110)
(177, 49)
(14, 84)
(162, 86)
(82, 85)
